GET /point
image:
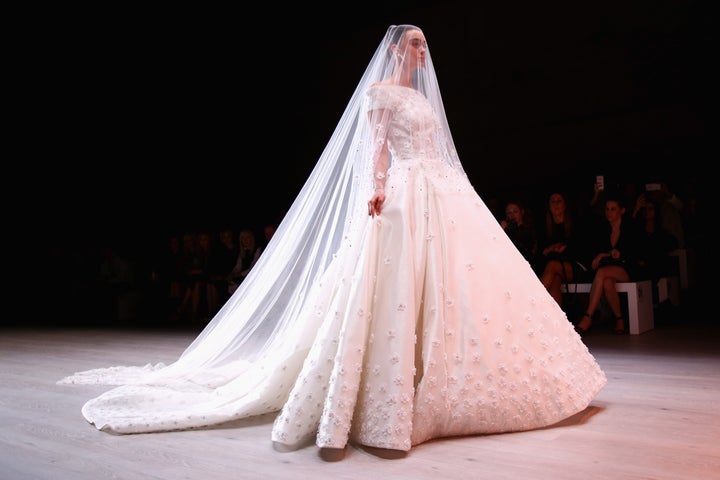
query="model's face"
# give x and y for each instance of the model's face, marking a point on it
(413, 48)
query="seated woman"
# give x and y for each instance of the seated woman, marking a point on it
(519, 227)
(615, 260)
(559, 252)
(656, 242)
(248, 255)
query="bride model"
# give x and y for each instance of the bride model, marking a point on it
(389, 308)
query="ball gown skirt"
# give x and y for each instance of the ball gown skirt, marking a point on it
(439, 328)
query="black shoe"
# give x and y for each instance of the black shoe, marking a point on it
(584, 330)
(619, 330)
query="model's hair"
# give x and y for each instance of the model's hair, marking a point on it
(395, 36)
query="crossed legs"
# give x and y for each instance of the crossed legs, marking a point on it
(556, 273)
(604, 285)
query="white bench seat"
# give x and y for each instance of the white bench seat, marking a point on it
(639, 301)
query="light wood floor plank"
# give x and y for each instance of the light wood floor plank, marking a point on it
(658, 418)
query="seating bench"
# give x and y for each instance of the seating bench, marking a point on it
(639, 301)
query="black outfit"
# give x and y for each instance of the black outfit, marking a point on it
(525, 239)
(629, 246)
(222, 262)
(573, 254)
(654, 253)
(245, 261)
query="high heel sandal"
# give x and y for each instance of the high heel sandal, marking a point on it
(621, 329)
(580, 330)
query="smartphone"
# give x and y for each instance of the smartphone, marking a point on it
(652, 187)
(600, 182)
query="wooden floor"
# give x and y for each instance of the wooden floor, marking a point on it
(658, 418)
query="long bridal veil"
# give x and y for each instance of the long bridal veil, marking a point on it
(238, 365)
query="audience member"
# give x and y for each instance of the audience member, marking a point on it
(199, 285)
(116, 278)
(594, 215)
(247, 257)
(560, 247)
(615, 260)
(655, 243)
(170, 276)
(671, 209)
(222, 261)
(519, 227)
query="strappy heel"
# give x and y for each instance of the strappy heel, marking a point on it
(619, 330)
(583, 330)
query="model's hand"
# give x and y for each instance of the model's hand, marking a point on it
(376, 202)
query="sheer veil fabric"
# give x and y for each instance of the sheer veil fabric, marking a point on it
(388, 330)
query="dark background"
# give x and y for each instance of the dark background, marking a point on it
(157, 121)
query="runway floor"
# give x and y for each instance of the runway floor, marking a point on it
(658, 418)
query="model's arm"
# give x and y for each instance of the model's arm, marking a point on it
(381, 160)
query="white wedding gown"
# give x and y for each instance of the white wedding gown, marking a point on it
(429, 323)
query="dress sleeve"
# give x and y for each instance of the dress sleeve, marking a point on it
(380, 109)
(380, 98)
